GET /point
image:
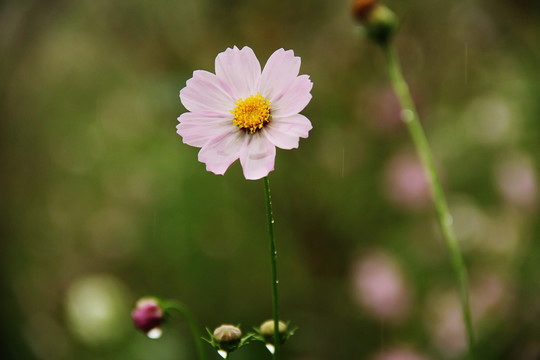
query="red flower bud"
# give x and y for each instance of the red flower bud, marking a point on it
(362, 8)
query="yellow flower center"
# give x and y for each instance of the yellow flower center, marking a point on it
(252, 114)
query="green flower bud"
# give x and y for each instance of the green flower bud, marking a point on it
(227, 337)
(378, 20)
(267, 331)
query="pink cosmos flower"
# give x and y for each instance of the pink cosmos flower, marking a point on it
(243, 112)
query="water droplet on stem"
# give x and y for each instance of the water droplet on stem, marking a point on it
(270, 348)
(155, 333)
(407, 115)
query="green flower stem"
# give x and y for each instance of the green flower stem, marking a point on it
(192, 324)
(273, 261)
(410, 117)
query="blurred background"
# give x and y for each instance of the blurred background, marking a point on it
(102, 203)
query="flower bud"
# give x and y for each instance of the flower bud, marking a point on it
(361, 9)
(148, 316)
(267, 331)
(378, 20)
(228, 337)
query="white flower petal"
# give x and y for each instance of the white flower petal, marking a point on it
(280, 70)
(240, 69)
(285, 133)
(221, 152)
(257, 157)
(206, 92)
(294, 99)
(197, 129)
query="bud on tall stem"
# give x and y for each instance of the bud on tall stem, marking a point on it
(379, 22)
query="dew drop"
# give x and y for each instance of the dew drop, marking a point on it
(155, 333)
(222, 353)
(270, 347)
(407, 115)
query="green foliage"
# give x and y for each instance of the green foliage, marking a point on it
(97, 184)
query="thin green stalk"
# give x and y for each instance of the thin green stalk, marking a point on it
(410, 117)
(273, 261)
(192, 324)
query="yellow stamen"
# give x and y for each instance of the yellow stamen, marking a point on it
(252, 114)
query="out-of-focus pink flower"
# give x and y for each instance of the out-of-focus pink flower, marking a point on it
(384, 109)
(244, 113)
(399, 354)
(489, 295)
(405, 182)
(445, 322)
(516, 180)
(379, 287)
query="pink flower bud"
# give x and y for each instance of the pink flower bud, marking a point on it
(147, 314)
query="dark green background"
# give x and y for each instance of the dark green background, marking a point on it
(103, 203)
